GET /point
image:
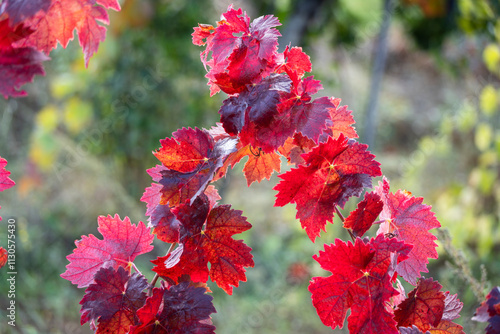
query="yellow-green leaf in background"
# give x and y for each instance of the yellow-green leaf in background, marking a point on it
(77, 115)
(43, 150)
(48, 118)
(491, 57)
(467, 117)
(488, 100)
(483, 136)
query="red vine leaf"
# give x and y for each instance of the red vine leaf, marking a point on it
(20, 10)
(213, 244)
(176, 310)
(113, 300)
(295, 62)
(5, 181)
(58, 22)
(3, 256)
(257, 103)
(242, 52)
(121, 243)
(190, 161)
(360, 281)
(341, 121)
(332, 172)
(186, 150)
(409, 220)
(259, 166)
(361, 219)
(423, 307)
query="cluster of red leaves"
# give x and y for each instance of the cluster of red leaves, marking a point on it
(30, 29)
(5, 183)
(269, 113)
(489, 311)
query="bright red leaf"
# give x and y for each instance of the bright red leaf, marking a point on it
(180, 309)
(294, 61)
(58, 22)
(122, 242)
(360, 281)
(361, 219)
(113, 300)
(332, 172)
(5, 181)
(3, 256)
(409, 220)
(242, 52)
(213, 243)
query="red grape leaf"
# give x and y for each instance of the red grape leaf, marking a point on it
(409, 220)
(212, 244)
(332, 172)
(489, 311)
(258, 103)
(294, 147)
(179, 309)
(3, 256)
(341, 121)
(121, 243)
(361, 219)
(201, 32)
(59, 21)
(193, 158)
(17, 67)
(259, 166)
(113, 300)
(423, 307)
(186, 150)
(294, 61)
(9, 35)
(241, 52)
(448, 327)
(5, 181)
(21, 10)
(361, 281)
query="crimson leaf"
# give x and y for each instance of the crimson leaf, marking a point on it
(121, 244)
(179, 309)
(113, 300)
(213, 244)
(190, 160)
(409, 220)
(360, 281)
(361, 219)
(332, 172)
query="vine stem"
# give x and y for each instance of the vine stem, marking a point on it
(155, 279)
(341, 216)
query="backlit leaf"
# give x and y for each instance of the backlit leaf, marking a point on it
(121, 243)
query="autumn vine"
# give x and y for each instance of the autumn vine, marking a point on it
(269, 114)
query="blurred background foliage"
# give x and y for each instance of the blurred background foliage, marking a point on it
(79, 144)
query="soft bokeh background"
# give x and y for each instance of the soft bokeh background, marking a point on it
(79, 144)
